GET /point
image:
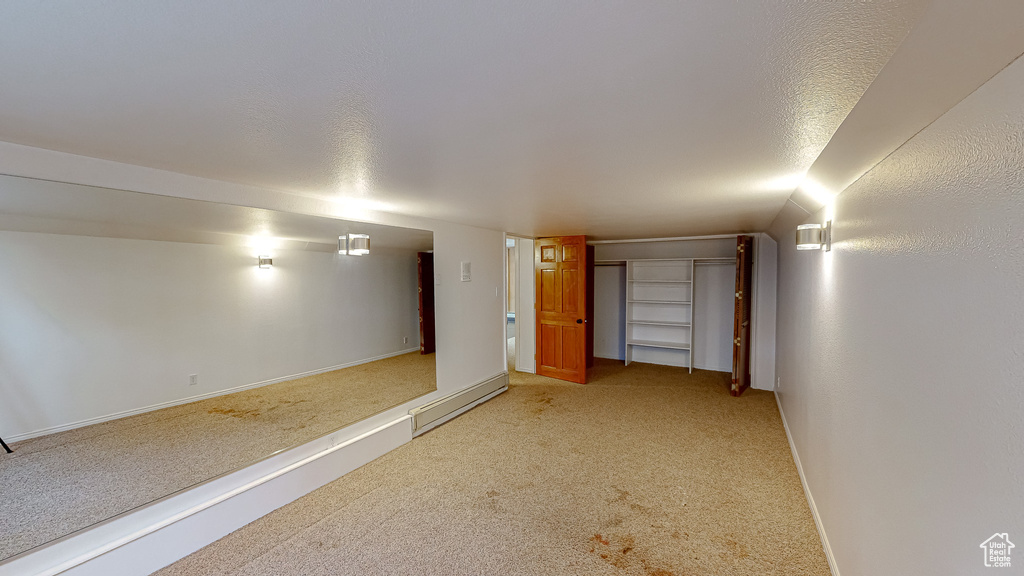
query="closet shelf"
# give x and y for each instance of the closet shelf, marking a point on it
(664, 290)
(658, 344)
(657, 323)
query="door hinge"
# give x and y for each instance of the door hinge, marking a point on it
(739, 248)
(740, 295)
(736, 341)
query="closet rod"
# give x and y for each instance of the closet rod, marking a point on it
(675, 239)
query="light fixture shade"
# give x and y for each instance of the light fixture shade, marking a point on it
(808, 237)
(265, 261)
(814, 236)
(354, 244)
(358, 244)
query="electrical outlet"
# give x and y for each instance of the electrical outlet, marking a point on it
(405, 340)
(778, 382)
(193, 379)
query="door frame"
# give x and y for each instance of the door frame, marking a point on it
(526, 348)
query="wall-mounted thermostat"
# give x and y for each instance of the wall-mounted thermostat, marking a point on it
(466, 272)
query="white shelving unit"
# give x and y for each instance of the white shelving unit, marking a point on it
(659, 309)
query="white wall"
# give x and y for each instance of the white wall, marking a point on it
(714, 308)
(610, 312)
(901, 351)
(705, 248)
(470, 315)
(93, 327)
(762, 354)
(526, 318)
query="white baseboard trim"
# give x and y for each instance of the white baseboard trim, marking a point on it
(807, 492)
(438, 412)
(100, 419)
(143, 541)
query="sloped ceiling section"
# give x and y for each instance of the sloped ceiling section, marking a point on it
(954, 48)
(612, 119)
(31, 205)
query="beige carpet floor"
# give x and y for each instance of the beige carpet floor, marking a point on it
(56, 484)
(645, 470)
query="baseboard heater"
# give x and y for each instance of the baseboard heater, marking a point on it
(440, 411)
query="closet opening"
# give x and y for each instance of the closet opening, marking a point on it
(678, 302)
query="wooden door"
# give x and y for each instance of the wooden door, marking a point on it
(741, 320)
(425, 269)
(561, 271)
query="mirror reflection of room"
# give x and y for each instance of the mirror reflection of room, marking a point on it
(153, 343)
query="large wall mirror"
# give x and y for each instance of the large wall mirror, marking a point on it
(143, 350)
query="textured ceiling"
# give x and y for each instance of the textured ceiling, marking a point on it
(953, 49)
(615, 119)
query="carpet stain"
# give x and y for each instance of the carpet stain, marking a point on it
(543, 398)
(492, 493)
(736, 550)
(235, 413)
(623, 498)
(624, 555)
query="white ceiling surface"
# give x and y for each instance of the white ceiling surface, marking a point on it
(29, 205)
(614, 119)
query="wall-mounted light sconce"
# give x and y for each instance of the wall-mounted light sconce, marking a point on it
(814, 236)
(354, 244)
(265, 261)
